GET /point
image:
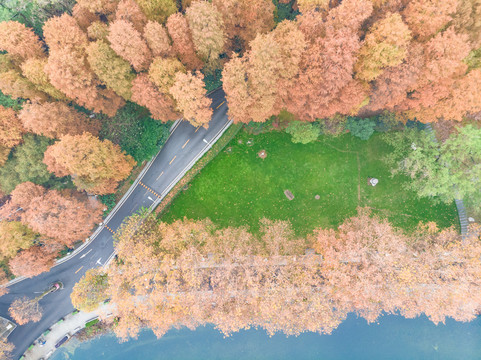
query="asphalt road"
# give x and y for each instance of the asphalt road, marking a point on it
(184, 145)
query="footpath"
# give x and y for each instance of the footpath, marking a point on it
(64, 329)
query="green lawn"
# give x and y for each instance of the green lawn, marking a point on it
(238, 188)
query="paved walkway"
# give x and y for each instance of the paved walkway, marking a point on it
(70, 324)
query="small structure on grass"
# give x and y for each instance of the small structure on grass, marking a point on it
(317, 197)
(262, 154)
(372, 181)
(289, 195)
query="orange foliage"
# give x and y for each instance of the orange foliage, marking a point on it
(128, 43)
(189, 94)
(96, 166)
(11, 129)
(156, 36)
(145, 93)
(32, 262)
(128, 10)
(56, 119)
(183, 45)
(19, 41)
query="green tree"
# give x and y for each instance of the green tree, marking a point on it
(303, 132)
(361, 128)
(26, 164)
(447, 171)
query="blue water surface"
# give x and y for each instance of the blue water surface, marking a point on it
(393, 338)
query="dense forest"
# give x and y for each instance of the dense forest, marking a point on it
(88, 90)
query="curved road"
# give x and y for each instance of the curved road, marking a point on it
(185, 144)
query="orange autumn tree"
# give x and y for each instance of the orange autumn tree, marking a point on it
(244, 19)
(55, 119)
(182, 43)
(157, 38)
(24, 310)
(68, 69)
(127, 42)
(96, 166)
(207, 28)
(189, 94)
(32, 262)
(34, 70)
(19, 41)
(146, 93)
(385, 45)
(65, 216)
(130, 11)
(11, 129)
(426, 17)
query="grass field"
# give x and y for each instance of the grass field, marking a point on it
(238, 188)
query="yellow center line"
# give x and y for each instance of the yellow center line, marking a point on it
(183, 146)
(171, 161)
(159, 175)
(220, 104)
(79, 269)
(197, 128)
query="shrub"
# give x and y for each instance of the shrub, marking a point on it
(137, 134)
(361, 128)
(334, 126)
(303, 132)
(386, 121)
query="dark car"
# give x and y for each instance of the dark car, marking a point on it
(62, 341)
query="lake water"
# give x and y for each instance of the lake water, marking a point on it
(393, 338)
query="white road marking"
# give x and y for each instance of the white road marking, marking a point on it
(150, 198)
(205, 141)
(84, 255)
(98, 261)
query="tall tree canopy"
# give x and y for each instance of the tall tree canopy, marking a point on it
(385, 45)
(127, 42)
(96, 166)
(157, 38)
(32, 262)
(189, 94)
(11, 128)
(111, 69)
(182, 43)
(207, 27)
(244, 19)
(146, 93)
(55, 119)
(68, 68)
(19, 41)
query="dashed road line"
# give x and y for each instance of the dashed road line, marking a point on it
(183, 146)
(109, 229)
(197, 129)
(149, 189)
(171, 161)
(220, 104)
(79, 269)
(158, 177)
